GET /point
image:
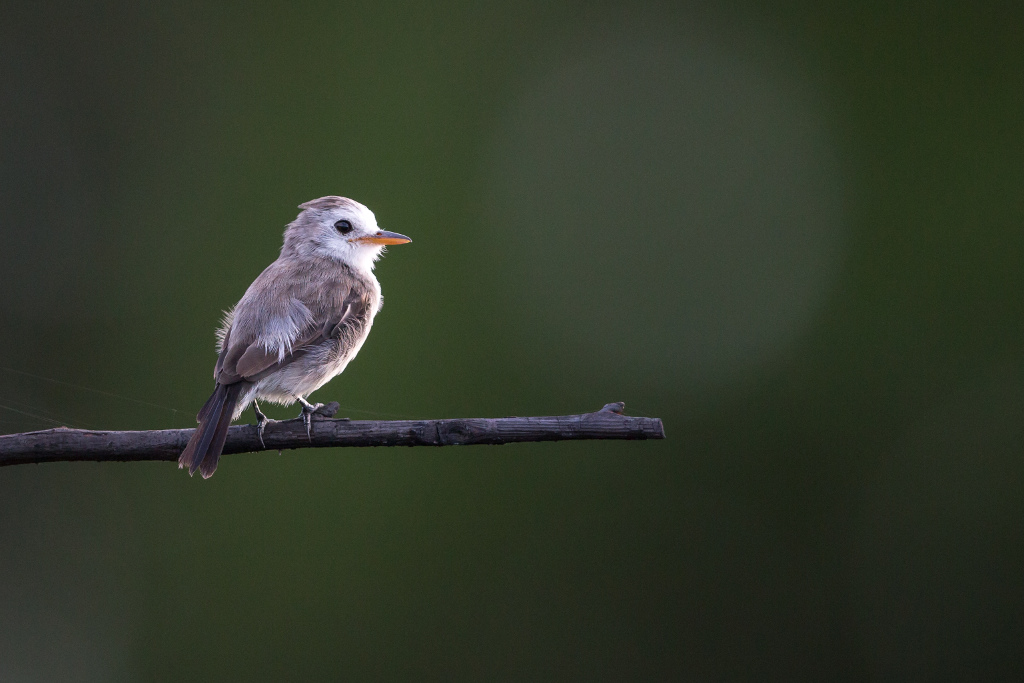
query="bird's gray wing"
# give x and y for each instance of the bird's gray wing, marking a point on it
(251, 361)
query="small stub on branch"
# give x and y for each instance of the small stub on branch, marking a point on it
(327, 410)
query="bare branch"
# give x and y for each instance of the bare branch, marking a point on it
(63, 444)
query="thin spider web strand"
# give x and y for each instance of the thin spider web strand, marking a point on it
(58, 417)
(376, 413)
(40, 417)
(95, 391)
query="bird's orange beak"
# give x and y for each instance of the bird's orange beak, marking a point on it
(382, 237)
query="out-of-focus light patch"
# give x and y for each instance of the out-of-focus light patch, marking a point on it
(46, 641)
(45, 207)
(664, 210)
(65, 609)
(937, 549)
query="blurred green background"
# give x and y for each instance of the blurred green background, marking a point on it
(792, 231)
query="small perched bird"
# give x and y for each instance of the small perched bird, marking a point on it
(299, 323)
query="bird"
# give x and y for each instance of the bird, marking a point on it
(300, 322)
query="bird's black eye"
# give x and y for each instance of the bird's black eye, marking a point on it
(343, 226)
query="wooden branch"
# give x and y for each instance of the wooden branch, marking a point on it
(63, 444)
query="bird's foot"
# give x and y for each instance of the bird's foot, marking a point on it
(261, 422)
(307, 415)
(261, 426)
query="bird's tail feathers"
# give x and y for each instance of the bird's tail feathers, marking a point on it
(214, 400)
(204, 448)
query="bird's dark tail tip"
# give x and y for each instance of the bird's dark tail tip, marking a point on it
(204, 448)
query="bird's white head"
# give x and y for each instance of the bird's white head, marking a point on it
(339, 229)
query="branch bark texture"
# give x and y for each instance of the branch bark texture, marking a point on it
(63, 444)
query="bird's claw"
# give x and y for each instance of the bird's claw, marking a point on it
(261, 423)
(307, 416)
